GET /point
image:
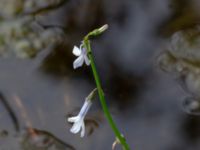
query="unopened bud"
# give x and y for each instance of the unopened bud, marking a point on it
(103, 28)
(97, 31)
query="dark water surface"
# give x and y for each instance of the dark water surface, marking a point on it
(38, 94)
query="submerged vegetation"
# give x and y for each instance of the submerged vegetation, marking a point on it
(21, 34)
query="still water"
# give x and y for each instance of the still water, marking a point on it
(38, 94)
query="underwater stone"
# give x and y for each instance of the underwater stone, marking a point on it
(10, 8)
(19, 34)
(186, 44)
(21, 38)
(182, 59)
(13, 8)
(191, 105)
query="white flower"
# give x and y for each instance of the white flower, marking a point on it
(79, 119)
(81, 53)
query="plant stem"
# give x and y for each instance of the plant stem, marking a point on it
(102, 98)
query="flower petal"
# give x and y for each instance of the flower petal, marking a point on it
(87, 61)
(83, 130)
(76, 127)
(78, 62)
(76, 51)
(72, 119)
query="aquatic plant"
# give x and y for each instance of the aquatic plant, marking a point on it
(84, 54)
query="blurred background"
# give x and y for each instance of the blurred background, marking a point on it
(148, 61)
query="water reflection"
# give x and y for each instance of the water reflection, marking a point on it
(122, 86)
(152, 116)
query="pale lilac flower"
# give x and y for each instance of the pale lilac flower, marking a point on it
(81, 53)
(79, 119)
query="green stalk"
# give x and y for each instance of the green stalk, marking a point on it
(102, 98)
